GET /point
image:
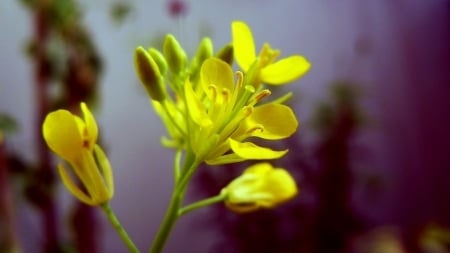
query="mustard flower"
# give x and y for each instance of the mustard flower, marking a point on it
(259, 186)
(223, 114)
(74, 139)
(263, 68)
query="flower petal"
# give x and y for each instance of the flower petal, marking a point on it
(73, 188)
(248, 150)
(258, 169)
(196, 109)
(225, 159)
(60, 131)
(281, 185)
(91, 126)
(216, 72)
(243, 44)
(259, 186)
(278, 121)
(285, 70)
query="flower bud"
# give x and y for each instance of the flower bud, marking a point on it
(260, 186)
(205, 50)
(174, 54)
(148, 72)
(159, 59)
(226, 54)
(74, 139)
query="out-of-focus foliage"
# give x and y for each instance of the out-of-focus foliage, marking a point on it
(8, 124)
(343, 96)
(120, 12)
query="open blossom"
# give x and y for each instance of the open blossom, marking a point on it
(223, 113)
(263, 67)
(259, 186)
(210, 112)
(74, 139)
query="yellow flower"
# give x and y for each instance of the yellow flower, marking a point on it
(259, 186)
(263, 68)
(74, 140)
(223, 114)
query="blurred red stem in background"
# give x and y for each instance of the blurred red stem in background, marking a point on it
(8, 236)
(46, 175)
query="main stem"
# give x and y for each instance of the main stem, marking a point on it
(168, 222)
(172, 215)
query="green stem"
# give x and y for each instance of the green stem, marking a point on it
(176, 164)
(120, 230)
(202, 203)
(168, 223)
(176, 200)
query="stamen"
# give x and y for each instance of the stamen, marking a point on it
(213, 90)
(246, 111)
(240, 79)
(225, 95)
(259, 96)
(255, 128)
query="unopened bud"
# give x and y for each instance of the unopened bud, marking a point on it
(260, 186)
(158, 57)
(174, 54)
(205, 50)
(226, 54)
(148, 72)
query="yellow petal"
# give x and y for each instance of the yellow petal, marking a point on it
(278, 121)
(91, 126)
(62, 135)
(281, 185)
(216, 72)
(225, 159)
(248, 150)
(286, 70)
(243, 44)
(73, 188)
(259, 169)
(259, 186)
(196, 109)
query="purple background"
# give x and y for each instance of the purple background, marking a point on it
(397, 51)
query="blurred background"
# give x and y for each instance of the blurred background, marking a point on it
(371, 157)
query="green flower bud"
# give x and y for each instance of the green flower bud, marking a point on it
(158, 57)
(226, 54)
(205, 50)
(148, 72)
(174, 54)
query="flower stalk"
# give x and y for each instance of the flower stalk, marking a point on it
(118, 227)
